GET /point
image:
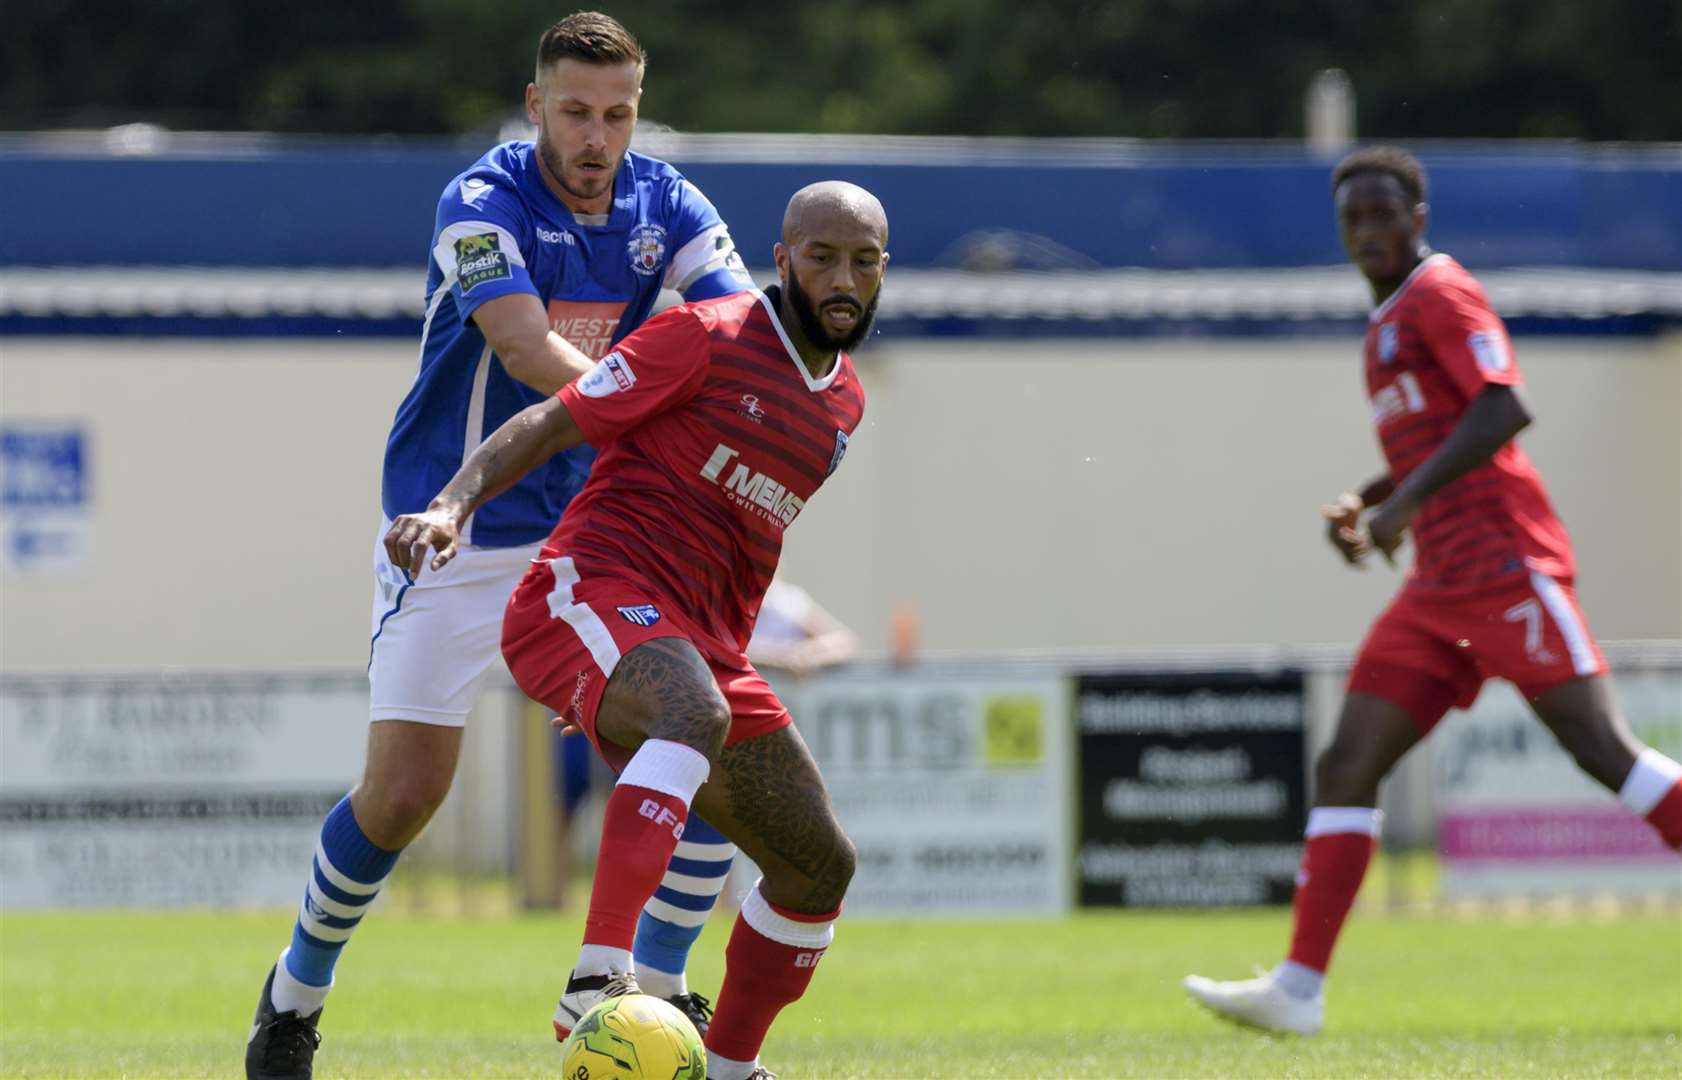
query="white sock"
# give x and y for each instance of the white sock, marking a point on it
(290, 995)
(723, 1068)
(1299, 981)
(602, 960)
(1648, 782)
(661, 984)
(1326, 820)
(668, 767)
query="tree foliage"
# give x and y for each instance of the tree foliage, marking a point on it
(1611, 69)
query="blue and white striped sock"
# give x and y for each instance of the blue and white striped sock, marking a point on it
(346, 876)
(673, 917)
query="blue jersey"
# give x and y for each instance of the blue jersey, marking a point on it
(500, 230)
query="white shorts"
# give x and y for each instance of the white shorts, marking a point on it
(433, 640)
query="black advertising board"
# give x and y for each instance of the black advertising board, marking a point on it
(1192, 791)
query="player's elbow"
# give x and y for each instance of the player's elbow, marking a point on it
(1511, 414)
(1518, 415)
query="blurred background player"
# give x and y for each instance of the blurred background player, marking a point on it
(1490, 593)
(634, 622)
(796, 634)
(543, 254)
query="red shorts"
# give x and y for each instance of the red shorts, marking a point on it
(563, 636)
(1427, 654)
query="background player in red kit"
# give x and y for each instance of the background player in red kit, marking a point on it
(715, 422)
(1489, 595)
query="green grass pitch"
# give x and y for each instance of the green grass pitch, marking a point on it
(1093, 995)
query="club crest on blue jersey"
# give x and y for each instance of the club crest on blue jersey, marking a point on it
(647, 248)
(641, 614)
(840, 452)
(1386, 343)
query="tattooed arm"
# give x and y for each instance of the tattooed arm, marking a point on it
(529, 438)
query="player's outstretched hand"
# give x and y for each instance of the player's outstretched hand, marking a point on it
(1342, 520)
(409, 537)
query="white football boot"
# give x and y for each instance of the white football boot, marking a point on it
(1260, 1002)
(585, 993)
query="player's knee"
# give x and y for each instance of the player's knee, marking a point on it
(846, 865)
(701, 726)
(401, 806)
(1594, 744)
(1339, 778)
(836, 874)
(816, 883)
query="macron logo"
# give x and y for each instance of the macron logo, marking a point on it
(752, 490)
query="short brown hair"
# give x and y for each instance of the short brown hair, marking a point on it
(591, 37)
(1389, 161)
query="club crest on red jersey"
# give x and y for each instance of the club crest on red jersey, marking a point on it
(1387, 342)
(647, 248)
(641, 614)
(840, 452)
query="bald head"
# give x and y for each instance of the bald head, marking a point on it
(830, 204)
(831, 260)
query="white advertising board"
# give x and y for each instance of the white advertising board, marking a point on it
(150, 791)
(1516, 815)
(954, 788)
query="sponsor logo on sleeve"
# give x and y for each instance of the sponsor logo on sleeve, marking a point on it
(480, 258)
(647, 249)
(1490, 347)
(610, 375)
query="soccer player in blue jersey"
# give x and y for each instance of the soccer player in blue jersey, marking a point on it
(543, 255)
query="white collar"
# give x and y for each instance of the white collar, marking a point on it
(812, 384)
(1390, 301)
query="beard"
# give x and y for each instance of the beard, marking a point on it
(811, 323)
(556, 164)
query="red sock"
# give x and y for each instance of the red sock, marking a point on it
(769, 962)
(1333, 864)
(639, 833)
(1653, 789)
(1666, 817)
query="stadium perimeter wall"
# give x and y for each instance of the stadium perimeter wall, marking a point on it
(1050, 494)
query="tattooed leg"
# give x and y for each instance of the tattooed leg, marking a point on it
(663, 689)
(767, 795)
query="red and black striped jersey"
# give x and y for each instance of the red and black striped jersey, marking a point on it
(712, 435)
(1431, 348)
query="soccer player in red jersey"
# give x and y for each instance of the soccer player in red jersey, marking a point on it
(1489, 595)
(714, 422)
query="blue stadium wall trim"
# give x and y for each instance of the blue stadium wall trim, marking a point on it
(296, 203)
